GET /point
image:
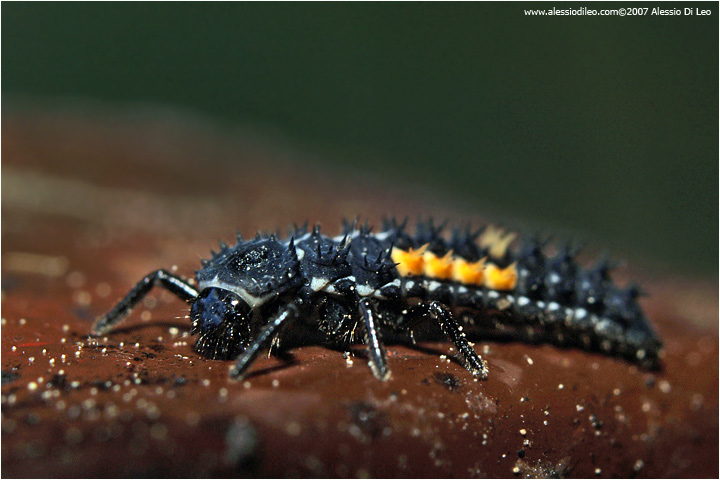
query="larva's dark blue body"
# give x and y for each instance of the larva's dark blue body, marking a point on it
(352, 284)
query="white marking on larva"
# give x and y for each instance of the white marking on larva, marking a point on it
(410, 284)
(300, 239)
(329, 288)
(395, 282)
(462, 289)
(300, 253)
(580, 313)
(540, 304)
(350, 236)
(554, 278)
(433, 285)
(602, 325)
(553, 306)
(522, 301)
(382, 236)
(251, 300)
(493, 294)
(364, 290)
(318, 284)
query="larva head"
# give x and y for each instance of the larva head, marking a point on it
(221, 320)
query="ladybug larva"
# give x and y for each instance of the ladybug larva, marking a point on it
(363, 285)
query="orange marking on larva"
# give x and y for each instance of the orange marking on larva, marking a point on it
(499, 248)
(438, 267)
(469, 273)
(489, 236)
(410, 262)
(496, 240)
(498, 278)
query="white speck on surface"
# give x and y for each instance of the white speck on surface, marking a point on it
(293, 429)
(664, 386)
(192, 419)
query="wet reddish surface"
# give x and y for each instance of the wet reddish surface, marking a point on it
(90, 205)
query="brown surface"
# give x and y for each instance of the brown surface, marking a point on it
(89, 205)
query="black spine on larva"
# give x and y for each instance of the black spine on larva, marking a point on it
(592, 285)
(560, 274)
(371, 260)
(621, 304)
(531, 269)
(428, 234)
(323, 257)
(365, 228)
(297, 231)
(397, 236)
(348, 226)
(464, 243)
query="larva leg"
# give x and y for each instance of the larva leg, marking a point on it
(167, 280)
(376, 350)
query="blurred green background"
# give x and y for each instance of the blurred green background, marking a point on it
(604, 125)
